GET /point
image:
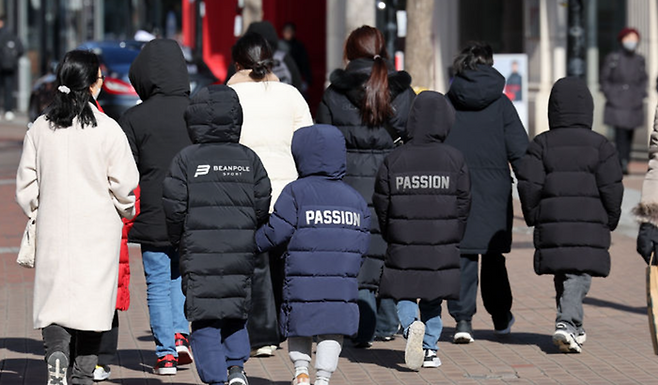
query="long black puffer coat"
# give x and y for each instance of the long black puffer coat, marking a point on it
(570, 184)
(156, 130)
(488, 132)
(624, 83)
(216, 195)
(422, 197)
(366, 146)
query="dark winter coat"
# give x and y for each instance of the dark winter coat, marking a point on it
(325, 223)
(11, 49)
(488, 132)
(216, 195)
(570, 184)
(156, 130)
(422, 199)
(624, 84)
(366, 146)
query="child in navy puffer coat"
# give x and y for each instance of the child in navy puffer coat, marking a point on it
(325, 223)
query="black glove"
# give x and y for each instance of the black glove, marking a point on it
(647, 238)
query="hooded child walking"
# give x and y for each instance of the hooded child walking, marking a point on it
(570, 184)
(216, 195)
(422, 198)
(325, 223)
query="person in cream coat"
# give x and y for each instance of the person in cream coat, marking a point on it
(272, 112)
(77, 174)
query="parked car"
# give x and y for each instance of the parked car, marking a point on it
(117, 94)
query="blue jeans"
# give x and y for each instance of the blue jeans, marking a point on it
(165, 298)
(375, 318)
(217, 346)
(430, 315)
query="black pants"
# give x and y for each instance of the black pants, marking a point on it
(624, 143)
(263, 325)
(83, 359)
(7, 82)
(496, 291)
(107, 350)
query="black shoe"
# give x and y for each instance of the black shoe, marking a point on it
(463, 333)
(237, 376)
(507, 328)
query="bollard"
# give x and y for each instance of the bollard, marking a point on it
(24, 84)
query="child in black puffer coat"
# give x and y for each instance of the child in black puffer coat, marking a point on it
(570, 184)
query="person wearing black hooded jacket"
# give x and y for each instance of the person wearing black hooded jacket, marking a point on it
(489, 133)
(422, 198)
(215, 196)
(156, 131)
(353, 103)
(570, 185)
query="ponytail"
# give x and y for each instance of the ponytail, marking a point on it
(376, 106)
(368, 43)
(75, 74)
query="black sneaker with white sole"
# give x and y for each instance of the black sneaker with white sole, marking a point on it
(463, 333)
(431, 360)
(565, 339)
(58, 364)
(236, 376)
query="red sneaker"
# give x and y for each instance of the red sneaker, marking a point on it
(166, 365)
(183, 349)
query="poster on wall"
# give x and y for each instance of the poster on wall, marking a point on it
(514, 67)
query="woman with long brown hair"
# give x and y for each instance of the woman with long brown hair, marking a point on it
(369, 102)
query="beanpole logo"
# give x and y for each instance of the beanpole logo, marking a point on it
(202, 169)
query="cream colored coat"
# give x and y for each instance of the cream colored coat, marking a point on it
(272, 112)
(81, 182)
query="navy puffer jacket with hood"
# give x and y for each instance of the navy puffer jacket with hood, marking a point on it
(489, 133)
(422, 197)
(156, 130)
(216, 195)
(325, 223)
(570, 184)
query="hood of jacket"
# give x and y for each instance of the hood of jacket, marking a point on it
(160, 68)
(351, 80)
(214, 115)
(570, 104)
(266, 30)
(476, 89)
(319, 150)
(430, 119)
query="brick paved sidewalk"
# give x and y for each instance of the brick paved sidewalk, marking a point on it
(618, 349)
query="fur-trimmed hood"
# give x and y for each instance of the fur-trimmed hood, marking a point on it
(351, 80)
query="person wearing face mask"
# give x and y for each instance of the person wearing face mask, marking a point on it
(624, 83)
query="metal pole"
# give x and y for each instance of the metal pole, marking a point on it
(576, 47)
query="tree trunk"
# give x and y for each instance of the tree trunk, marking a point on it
(419, 48)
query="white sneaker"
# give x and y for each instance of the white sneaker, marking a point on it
(565, 340)
(265, 351)
(431, 360)
(413, 353)
(9, 116)
(58, 364)
(101, 373)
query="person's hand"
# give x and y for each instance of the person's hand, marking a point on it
(647, 238)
